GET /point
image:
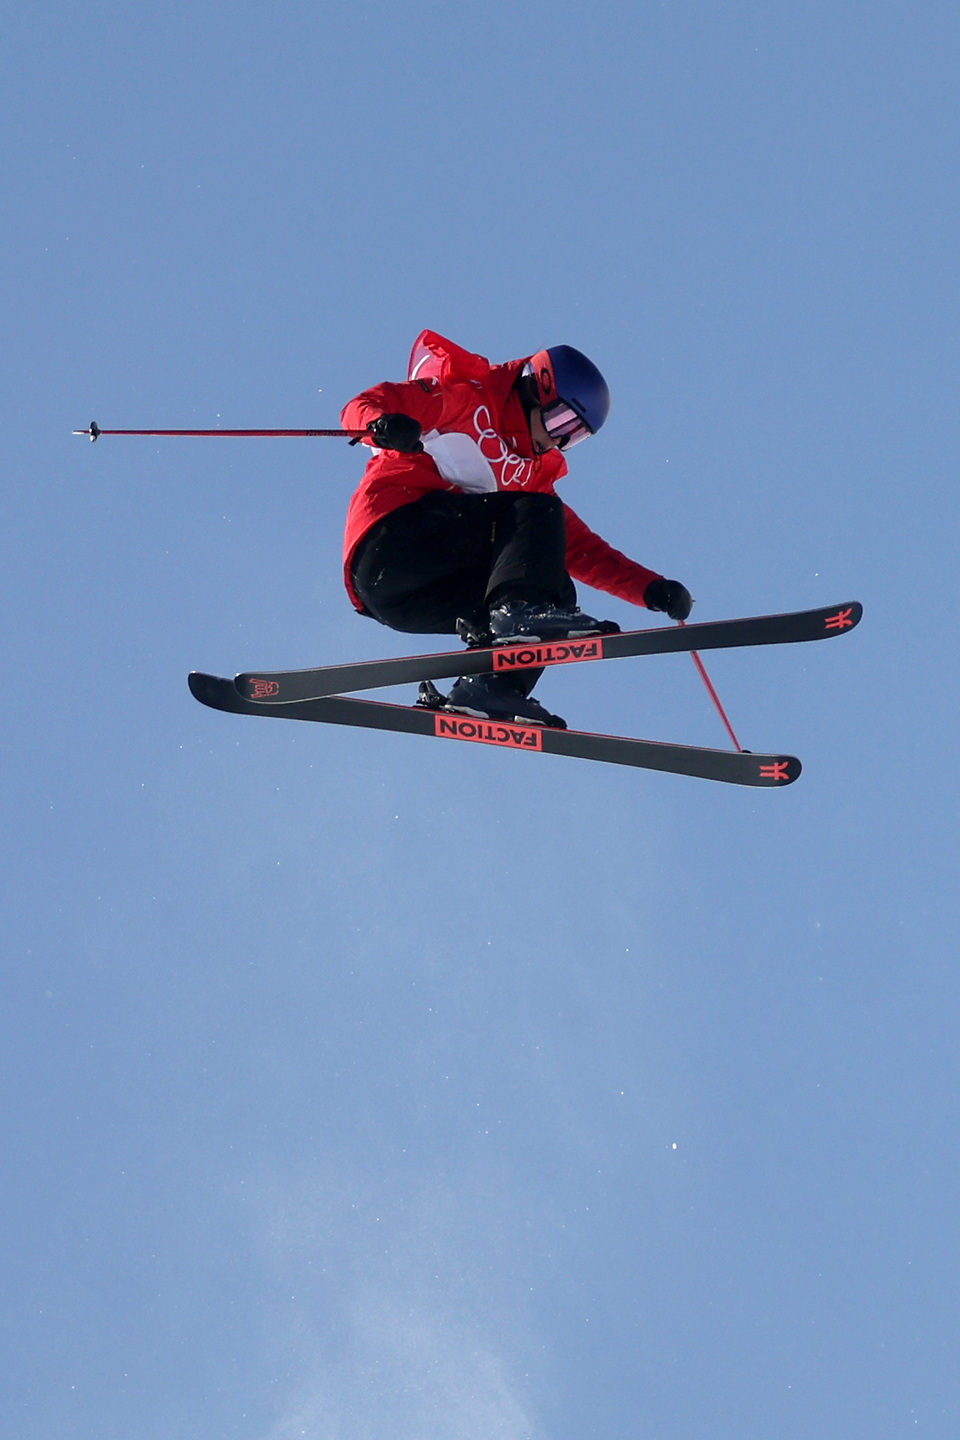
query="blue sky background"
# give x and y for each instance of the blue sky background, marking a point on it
(362, 1089)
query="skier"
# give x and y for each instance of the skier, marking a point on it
(456, 527)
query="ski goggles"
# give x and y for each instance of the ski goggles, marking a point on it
(563, 424)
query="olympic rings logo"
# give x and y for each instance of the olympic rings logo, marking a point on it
(514, 469)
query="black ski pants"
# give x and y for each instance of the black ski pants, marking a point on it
(450, 556)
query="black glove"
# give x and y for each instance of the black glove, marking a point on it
(396, 432)
(668, 595)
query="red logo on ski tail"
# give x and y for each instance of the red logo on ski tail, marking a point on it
(841, 620)
(262, 689)
(779, 770)
(488, 732)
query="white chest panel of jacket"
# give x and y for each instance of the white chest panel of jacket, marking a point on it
(460, 460)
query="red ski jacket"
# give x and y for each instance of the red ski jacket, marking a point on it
(476, 439)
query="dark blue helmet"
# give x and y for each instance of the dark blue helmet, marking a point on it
(574, 397)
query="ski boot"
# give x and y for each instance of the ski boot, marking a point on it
(489, 697)
(517, 621)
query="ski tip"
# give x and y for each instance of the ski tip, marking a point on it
(841, 618)
(775, 771)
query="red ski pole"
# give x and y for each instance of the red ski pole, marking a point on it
(713, 695)
(95, 432)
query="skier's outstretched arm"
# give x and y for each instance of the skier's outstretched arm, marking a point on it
(591, 560)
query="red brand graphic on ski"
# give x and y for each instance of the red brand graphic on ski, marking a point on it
(263, 689)
(522, 657)
(489, 732)
(840, 621)
(776, 771)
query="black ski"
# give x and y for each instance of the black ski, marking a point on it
(294, 685)
(743, 768)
